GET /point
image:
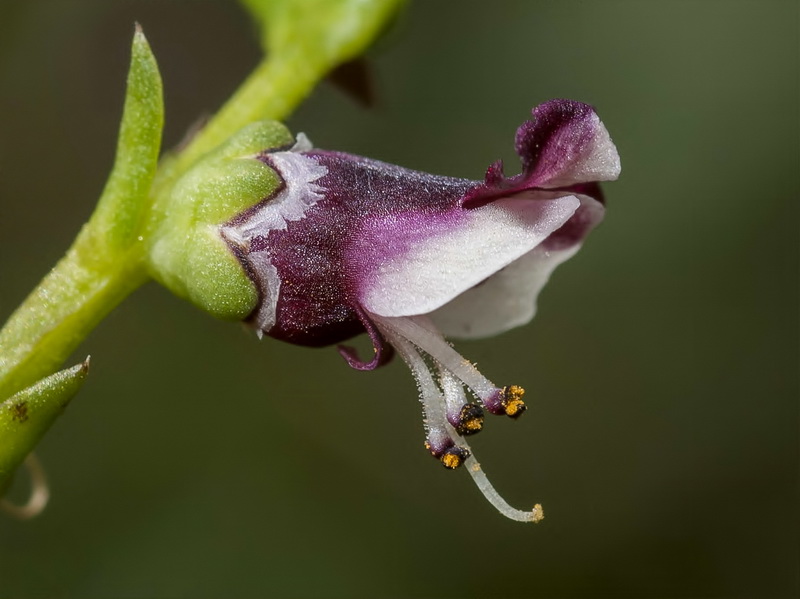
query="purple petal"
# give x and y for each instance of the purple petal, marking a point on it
(564, 145)
(383, 351)
(304, 233)
(346, 235)
(415, 263)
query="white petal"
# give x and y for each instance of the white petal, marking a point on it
(270, 286)
(447, 262)
(505, 300)
(299, 194)
(597, 160)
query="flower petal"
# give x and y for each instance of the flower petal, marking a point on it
(415, 263)
(564, 144)
(577, 228)
(507, 299)
(382, 351)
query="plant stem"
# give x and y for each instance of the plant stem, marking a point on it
(84, 287)
(68, 303)
(271, 92)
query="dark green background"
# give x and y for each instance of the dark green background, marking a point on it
(661, 368)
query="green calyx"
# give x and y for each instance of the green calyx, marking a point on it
(187, 254)
(215, 177)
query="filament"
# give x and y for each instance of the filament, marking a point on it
(429, 340)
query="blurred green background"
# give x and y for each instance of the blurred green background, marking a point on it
(661, 368)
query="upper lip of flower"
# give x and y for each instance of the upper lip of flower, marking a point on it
(349, 244)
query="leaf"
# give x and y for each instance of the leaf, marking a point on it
(121, 208)
(27, 415)
(106, 262)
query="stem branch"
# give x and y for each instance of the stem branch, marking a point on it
(68, 303)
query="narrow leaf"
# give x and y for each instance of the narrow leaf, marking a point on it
(27, 415)
(125, 197)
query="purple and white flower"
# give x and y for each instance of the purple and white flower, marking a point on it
(348, 245)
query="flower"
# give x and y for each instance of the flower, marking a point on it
(347, 245)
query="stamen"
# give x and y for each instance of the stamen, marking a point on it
(450, 400)
(512, 402)
(40, 492)
(466, 418)
(454, 456)
(422, 333)
(439, 441)
(470, 420)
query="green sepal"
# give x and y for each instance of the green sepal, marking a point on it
(120, 211)
(27, 415)
(187, 253)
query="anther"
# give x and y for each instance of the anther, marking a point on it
(438, 444)
(511, 401)
(470, 419)
(454, 456)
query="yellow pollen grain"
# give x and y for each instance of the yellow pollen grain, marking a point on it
(514, 392)
(515, 406)
(451, 461)
(475, 424)
(538, 513)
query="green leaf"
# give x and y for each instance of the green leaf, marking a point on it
(27, 415)
(326, 32)
(106, 262)
(122, 206)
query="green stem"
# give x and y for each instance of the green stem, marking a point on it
(108, 259)
(271, 92)
(83, 287)
(106, 262)
(68, 303)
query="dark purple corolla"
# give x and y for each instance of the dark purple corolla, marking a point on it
(350, 245)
